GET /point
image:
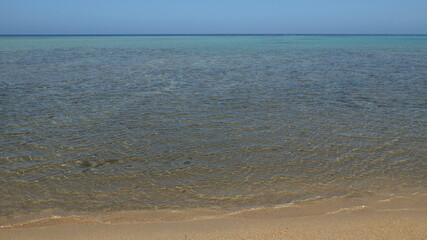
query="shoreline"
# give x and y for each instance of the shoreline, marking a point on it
(400, 217)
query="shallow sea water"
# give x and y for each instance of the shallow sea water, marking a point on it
(105, 123)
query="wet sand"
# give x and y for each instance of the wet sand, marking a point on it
(395, 218)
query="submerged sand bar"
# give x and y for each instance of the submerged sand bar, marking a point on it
(393, 218)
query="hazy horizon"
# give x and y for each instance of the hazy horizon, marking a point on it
(215, 34)
(92, 17)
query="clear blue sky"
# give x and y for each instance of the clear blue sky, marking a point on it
(212, 16)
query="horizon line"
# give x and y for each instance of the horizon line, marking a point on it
(220, 34)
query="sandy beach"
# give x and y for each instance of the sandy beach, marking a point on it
(395, 218)
(264, 136)
(213, 120)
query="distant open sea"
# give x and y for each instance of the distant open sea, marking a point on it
(107, 123)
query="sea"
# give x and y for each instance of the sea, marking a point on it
(92, 124)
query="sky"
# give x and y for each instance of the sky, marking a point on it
(213, 16)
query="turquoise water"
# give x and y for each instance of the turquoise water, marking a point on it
(103, 123)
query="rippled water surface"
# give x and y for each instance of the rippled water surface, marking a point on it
(138, 122)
